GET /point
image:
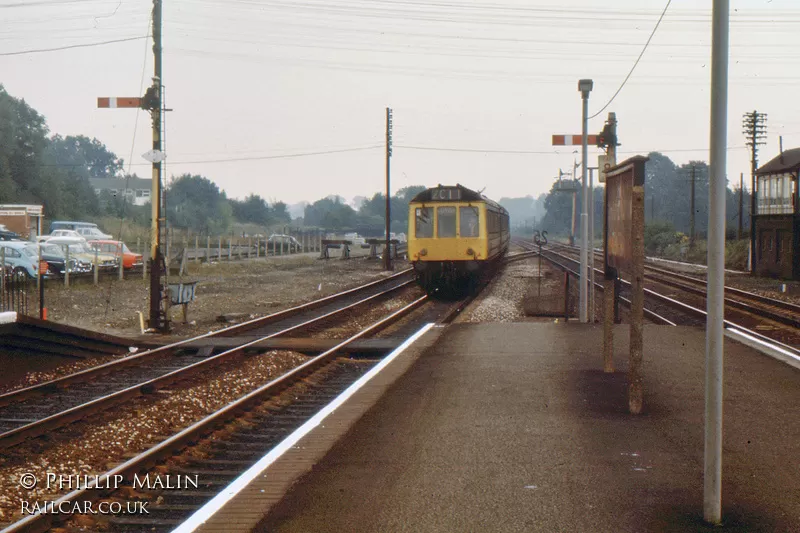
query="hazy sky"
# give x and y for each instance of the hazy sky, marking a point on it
(252, 79)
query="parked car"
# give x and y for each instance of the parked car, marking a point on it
(94, 233)
(61, 233)
(56, 260)
(79, 249)
(8, 235)
(285, 242)
(21, 256)
(129, 259)
(78, 226)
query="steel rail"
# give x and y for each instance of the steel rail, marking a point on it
(652, 315)
(702, 314)
(766, 300)
(40, 522)
(82, 376)
(57, 420)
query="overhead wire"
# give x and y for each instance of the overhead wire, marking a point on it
(68, 47)
(636, 62)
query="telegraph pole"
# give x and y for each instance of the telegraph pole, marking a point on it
(755, 131)
(387, 254)
(741, 204)
(691, 213)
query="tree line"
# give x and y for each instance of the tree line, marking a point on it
(668, 200)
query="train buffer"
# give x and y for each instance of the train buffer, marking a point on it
(335, 243)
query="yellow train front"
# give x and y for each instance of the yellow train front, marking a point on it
(454, 235)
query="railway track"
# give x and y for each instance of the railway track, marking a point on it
(215, 450)
(36, 410)
(685, 313)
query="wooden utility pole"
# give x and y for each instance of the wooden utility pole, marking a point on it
(741, 205)
(755, 130)
(691, 213)
(387, 252)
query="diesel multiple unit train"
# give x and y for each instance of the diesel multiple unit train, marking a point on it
(454, 234)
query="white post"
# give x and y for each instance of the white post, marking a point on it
(196, 248)
(585, 87)
(715, 305)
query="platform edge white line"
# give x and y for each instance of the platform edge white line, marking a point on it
(767, 349)
(218, 502)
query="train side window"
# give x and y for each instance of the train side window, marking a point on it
(424, 223)
(468, 225)
(446, 222)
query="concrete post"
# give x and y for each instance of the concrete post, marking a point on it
(249, 246)
(715, 300)
(230, 249)
(219, 249)
(635, 387)
(208, 248)
(196, 248)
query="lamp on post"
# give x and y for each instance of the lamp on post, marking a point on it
(585, 87)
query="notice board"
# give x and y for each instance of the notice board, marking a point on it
(618, 227)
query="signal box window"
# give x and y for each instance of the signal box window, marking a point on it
(424, 223)
(447, 221)
(469, 222)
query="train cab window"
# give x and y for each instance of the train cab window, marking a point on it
(424, 223)
(468, 226)
(446, 222)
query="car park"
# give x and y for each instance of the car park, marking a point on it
(22, 257)
(129, 258)
(79, 249)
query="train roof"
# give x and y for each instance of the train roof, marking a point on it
(453, 193)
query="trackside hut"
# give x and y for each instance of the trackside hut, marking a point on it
(777, 221)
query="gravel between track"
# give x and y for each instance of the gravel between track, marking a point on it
(95, 446)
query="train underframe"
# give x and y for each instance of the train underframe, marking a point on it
(450, 278)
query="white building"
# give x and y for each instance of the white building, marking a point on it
(136, 190)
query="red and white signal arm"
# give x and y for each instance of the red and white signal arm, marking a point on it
(604, 162)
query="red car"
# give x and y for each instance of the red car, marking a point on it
(129, 259)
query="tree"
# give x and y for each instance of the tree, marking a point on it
(195, 202)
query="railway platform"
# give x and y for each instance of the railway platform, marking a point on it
(515, 427)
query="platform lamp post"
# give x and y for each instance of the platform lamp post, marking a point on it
(585, 87)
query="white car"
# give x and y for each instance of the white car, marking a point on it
(92, 234)
(61, 233)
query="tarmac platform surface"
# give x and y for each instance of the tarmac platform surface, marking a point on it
(515, 427)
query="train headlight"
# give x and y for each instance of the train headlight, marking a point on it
(470, 251)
